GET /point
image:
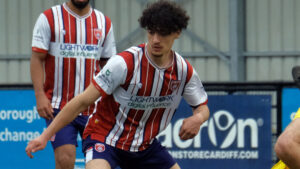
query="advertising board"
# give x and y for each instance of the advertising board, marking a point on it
(237, 135)
(290, 105)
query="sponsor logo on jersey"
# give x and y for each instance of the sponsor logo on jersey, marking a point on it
(37, 36)
(108, 72)
(146, 102)
(76, 47)
(105, 78)
(100, 147)
(76, 50)
(98, 33)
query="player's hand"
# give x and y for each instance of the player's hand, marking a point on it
(44, 107)
(190, 127)
(35, 145)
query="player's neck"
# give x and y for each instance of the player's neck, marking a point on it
(163, 61)
(80, 12)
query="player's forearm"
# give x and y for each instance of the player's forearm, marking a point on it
(37, 74)
(202, 112)
(71, 110)
(65, 116)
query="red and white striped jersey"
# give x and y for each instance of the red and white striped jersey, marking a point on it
(74, 45)
(139, 98)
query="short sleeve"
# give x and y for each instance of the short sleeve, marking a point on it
(41, 34)
(109, 47)
(111, 76)
(194, 92)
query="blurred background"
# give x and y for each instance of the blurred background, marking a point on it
(238, 48)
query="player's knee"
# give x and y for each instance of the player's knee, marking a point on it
(65, 156)
(65, 161)
(283, 145)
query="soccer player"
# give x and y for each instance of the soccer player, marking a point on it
(141, 89)
(287, 147)
(70, 43)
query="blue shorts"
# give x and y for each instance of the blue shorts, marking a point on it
(68, 134)
(155, 156)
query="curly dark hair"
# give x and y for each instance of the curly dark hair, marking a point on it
(164, 17)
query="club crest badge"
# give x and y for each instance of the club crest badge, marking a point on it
(175, 84)
(100, 147)
(98, 33)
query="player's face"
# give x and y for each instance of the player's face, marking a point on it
(160, 45)
(80, 4)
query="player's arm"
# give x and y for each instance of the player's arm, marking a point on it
(44, 107)
(67, 114)
(40, 45)
(191, 125)
(196, 96)
(71, 110)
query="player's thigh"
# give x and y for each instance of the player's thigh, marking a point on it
(97, 164)
(175, 166)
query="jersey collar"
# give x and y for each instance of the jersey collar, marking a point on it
(76, 15)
